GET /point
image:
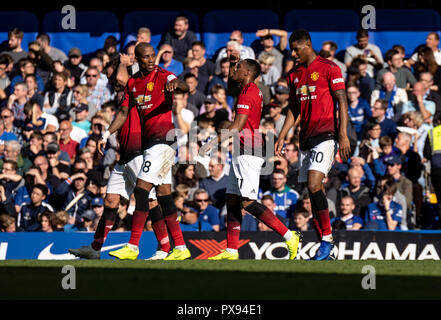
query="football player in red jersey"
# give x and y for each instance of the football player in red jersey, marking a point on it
(150, 91)
(319, 103)
(246, 164)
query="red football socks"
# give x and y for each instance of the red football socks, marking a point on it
(267, 217)
(104, 226)
(160, 230)
(175, 229)
(324, 221)
(138, 223)
(233, 233)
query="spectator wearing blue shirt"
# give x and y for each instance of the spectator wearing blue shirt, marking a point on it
(26, 67)
(28, 217)
(191, 220)
(347, 207)
(284, 197)
(5, 136)
(222, 78)
(385, 214)
(358, 109)
(388, 126)
(165, 60)
(216, 183)
(208, 213)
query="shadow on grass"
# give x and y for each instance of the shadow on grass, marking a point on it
(135, 284)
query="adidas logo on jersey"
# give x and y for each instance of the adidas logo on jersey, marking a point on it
(296, 80)
(134, 89)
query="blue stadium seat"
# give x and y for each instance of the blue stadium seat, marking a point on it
(159, 23)
(217, 26)
(339, 25)
(406, 27)
(92, 29)
(26, 21)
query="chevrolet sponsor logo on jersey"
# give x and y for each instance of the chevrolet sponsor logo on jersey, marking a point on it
(305, 90)
(142, 99)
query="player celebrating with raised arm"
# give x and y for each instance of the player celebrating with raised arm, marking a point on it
(316, 87)
(150, 91)
(121, 183)
(245, 170)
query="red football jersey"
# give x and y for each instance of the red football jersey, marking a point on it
(154, 103)
(311, 94)
(250, 102)
(129, 137)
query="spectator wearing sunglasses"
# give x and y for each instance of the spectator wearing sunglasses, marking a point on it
(208, 213)
(98, 93)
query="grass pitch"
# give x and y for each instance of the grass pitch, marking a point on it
(219, 280)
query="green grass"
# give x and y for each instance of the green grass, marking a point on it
(220, 280)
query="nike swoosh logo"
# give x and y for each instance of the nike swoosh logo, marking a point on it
(46, 253)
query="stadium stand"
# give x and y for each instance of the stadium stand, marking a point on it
(339, 25)
(217, 29)
(25, 20)
(92, 28)
(406, 27)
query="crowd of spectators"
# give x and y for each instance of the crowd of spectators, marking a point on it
(55, 106)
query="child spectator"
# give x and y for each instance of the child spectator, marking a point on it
(7, 223)
(28, 217)
(385, 214)
(300, 220)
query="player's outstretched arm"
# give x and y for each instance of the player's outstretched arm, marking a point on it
(343, 140)
(233, 87)
(122, 75)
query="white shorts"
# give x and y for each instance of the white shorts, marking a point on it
(122, 180)
(320, 158)
(244, 176)
(157, 164)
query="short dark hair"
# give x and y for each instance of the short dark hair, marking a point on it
(198, 43)
(110, 42)
(42, 187)
(224, 60)
(29, 105)
(362, 33)
(301, 210)
(389, 187)
(254, 67)
(280, 171)
(324, 54)
(389, 54)
(12, 163)
(45, 37)
(300, 35)
(383, 102)
(141, 46)
(267, 197)
(189, 75)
